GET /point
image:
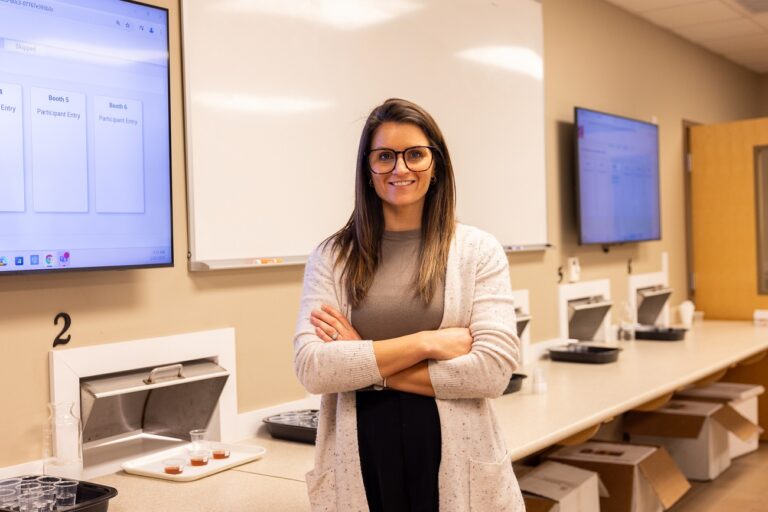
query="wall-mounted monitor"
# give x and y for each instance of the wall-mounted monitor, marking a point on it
(85, 171)
(617, 178)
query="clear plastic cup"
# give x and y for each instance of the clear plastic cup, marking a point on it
(173, 466)
(199, 458)
(9, 499)
(10, 482)
(199, 440)
(47, 498)
(28, 487)
(31, 501)
(66, 493)
(48, 480)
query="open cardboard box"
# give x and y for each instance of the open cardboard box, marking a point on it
(695, 433)
(742, 397)
(557, 487)
(637, 478)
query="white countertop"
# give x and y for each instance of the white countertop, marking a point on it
(579, 396)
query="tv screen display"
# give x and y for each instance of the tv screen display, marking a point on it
(85, 172)
(617, 178)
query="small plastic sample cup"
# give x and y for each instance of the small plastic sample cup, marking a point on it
(66, 493)
(198, 458)
(173, 466)
(220, 453)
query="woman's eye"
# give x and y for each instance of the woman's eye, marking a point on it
(386, 156)
(415, 154)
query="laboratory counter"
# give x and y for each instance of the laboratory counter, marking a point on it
(579, 398)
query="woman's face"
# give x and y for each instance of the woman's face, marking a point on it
(402, 190)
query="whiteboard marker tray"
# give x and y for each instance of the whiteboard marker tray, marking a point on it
(152, 465)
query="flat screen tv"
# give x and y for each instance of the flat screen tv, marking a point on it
(85, 169)
(617, 179)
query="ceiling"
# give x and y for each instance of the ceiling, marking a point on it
(735, 29)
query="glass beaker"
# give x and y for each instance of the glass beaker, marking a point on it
(63, 442)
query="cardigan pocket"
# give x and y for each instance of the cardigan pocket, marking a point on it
(493, 486)
(322, 490)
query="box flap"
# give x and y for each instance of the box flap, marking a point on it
(723, 392)
(665, 477)
(602, 490)
(538, 504)
(554, 480)
(609, 453)
(659, 424)
(735, 422)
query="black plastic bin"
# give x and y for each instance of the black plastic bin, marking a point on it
(90, 498)
(575, 353)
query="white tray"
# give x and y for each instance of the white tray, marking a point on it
(152, 466)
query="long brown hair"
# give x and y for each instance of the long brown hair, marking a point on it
(359, 242)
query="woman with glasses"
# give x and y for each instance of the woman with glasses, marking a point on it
(407, 328)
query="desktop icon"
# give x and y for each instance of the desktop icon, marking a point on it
(49, 260)
(34, 259)
(3, 261)
(64, 258)
(18, 261)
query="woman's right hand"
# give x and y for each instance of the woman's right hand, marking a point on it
(448, 343)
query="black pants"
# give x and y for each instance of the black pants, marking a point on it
(399, 439)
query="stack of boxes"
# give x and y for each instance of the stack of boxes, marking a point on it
(694, 436)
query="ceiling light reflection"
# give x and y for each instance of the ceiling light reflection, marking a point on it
(261, 104)
(511, 58)
(339, 14)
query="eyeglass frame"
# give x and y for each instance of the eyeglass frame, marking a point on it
(397, 156)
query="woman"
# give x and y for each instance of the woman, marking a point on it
(405, 421)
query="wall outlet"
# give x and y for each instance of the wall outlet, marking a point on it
(574, 270)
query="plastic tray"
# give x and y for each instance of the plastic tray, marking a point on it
(660, 334)
(90, 498)
(515, 383)
(298, 426)
(577, 353)
(151, 465)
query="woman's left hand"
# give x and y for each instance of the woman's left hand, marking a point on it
(331, 325)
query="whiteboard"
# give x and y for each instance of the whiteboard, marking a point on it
(277, 92)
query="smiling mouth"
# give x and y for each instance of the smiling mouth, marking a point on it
(402, 183)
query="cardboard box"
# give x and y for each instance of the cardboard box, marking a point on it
(742, 397)
(567, 488)
(538, 504)
(637, 478)
(694, 433)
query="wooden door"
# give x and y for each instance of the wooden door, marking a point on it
(724, 220)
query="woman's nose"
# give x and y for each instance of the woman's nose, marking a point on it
(400, 167)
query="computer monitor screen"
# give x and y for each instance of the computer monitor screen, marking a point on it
(85, 172)
(617, 178)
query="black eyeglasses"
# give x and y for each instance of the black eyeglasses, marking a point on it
(416, 159)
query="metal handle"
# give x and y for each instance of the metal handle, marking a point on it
(179, 375)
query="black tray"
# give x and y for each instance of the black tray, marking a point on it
(90, 498)
(660, 334)
(575, 353)
(293, 430)
(515, 383)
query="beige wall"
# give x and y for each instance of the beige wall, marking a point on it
(596, 56)
(763, 101)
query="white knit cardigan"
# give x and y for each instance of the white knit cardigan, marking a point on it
(475, 469)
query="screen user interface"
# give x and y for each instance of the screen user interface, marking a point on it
(84, 135)
(618, 175)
